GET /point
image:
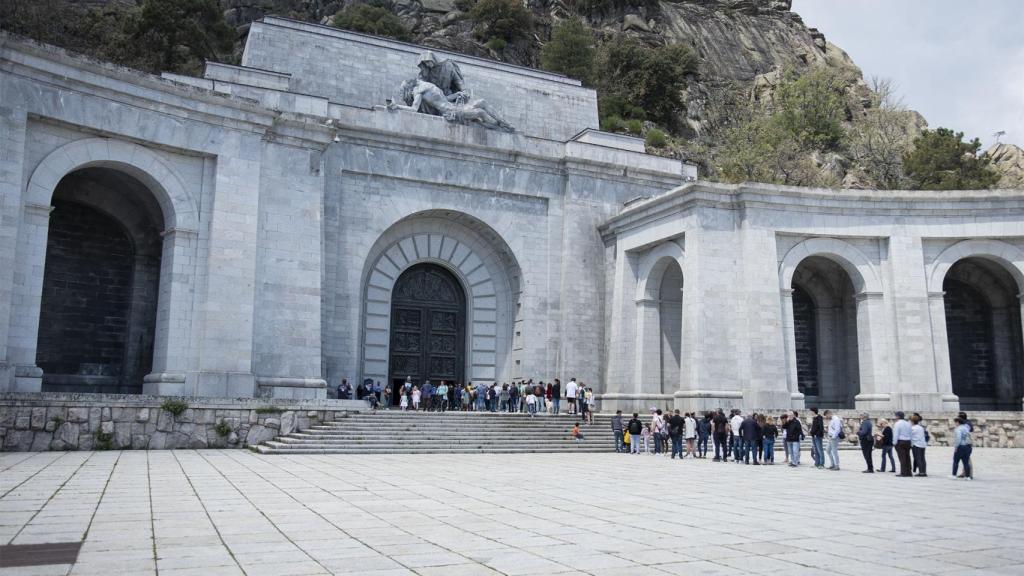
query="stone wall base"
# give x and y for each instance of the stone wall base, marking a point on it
(59, 421)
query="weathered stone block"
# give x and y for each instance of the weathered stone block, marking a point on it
(142, 415)
(77, 415)
(38, 418)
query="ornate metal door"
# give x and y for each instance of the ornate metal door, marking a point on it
(428, 312)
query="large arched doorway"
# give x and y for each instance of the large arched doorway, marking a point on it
(428, 327)
(825, 333)
(983, 329)
(100, 284)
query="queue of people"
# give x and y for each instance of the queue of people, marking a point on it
(751, 439)
(524, 397)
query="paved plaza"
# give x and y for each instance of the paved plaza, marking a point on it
(233, 512)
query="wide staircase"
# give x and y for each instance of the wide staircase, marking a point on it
(397, 432)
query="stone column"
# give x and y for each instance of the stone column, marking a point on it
(12, 157)
(226, 343)
(789, 341)
(873, 353)
(913, 361)
(1002, 350)
(940, 352)
(648, 347)
(171, 343)
(27, 297)
(622, 335)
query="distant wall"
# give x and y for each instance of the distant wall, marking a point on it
(363, 71)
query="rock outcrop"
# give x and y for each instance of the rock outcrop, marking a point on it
(1008, 160)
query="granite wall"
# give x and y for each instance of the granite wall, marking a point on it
(57, 421)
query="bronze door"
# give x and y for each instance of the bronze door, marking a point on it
(428, 318)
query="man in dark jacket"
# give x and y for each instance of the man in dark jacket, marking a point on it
(817, 436)
(344, 390)
(748, 433)
(794, 433)
(556, 396)
(617, 431)
(675, 434)
(867, 441)
(720, 430)
(635, 427)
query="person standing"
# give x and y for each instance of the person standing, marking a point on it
(835, 436)
(918, 443)
(962, 447)
(636, 429)
(617, 430)
(720, 427)
(883, 440)
(657, 429)
(703, 433)
(415, 398)
(571, 389)
(676, 427)
(794, 433)
(344, 391)
(866, 440)
(768, 435)
(735, 440)
(690, 434)
(901, 438)
(970, 428)
(531, 404)
(556, 396)
(748, 438)
(817, 444)
(442, 394)
(387, 397)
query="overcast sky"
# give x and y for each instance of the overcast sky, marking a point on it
(960, 63)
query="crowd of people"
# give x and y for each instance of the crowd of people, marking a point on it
(751, 438)
(525, 397)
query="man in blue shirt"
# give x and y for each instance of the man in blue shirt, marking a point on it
(901, 438)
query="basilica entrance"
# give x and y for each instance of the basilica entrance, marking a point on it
(428, 335)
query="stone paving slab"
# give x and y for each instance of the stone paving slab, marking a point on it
(210, 512)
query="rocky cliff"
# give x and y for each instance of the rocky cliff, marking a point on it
(1008, 160)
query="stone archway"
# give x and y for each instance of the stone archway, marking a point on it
(482, 263)
(974, 289)
(176, 223)
(659, 331)
(832, 269)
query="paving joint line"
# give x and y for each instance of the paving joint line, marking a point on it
(205, 511)
(52, 496)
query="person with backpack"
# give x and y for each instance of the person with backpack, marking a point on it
(817, 439)
(676, 424)
(866, 442)
(962, 447)
(835, 436)
(636, 428)
(657, 430)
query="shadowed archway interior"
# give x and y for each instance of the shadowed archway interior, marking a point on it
(825, 333)
(983, 328)
(100, 284)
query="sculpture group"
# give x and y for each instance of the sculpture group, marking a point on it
(440, 90)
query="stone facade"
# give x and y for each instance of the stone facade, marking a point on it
(53, 421)
(272, 207)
